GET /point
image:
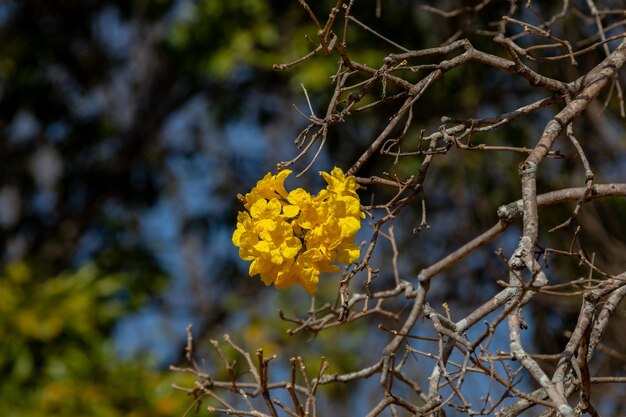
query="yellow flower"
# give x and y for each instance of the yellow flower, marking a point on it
(269, 187)
(265, 214)
(340, 184)
(309, 266)
(267, 270)
(298, 200)
(310, 214)
(292, 237)
(325, 236)
(348, 253)
(244, 237)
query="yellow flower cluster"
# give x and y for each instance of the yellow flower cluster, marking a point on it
(291, 237)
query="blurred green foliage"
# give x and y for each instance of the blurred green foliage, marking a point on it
(56, 356)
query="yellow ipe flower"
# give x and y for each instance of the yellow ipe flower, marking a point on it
(292, 237)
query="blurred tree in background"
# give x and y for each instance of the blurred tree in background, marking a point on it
(58, 358)
(119, 123)
(129, 126)
(126, 127)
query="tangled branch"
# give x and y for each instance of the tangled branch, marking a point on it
(518, 379)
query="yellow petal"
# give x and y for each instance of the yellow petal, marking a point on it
(291, 247)
(299, 197)
(268, 278)
(258, 208)
(262, 246)
(273, 207)
(276, 257)
(291, 211)
(347, 255)
(286, 277)
(349, 226)
(236, 239)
